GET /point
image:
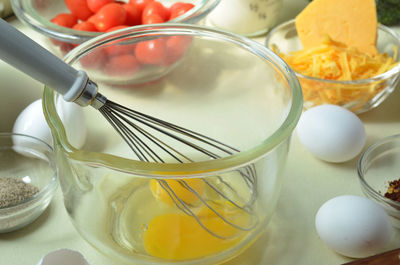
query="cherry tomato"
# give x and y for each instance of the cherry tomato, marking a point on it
(176, 47)
(155, 7)
(133, 15)
(140, 4)
(125, 64)
(151, 51)
(109, 16)
(95, 59)
(92, 19)
(65, 20)
(152, 19)
(179, 9)
(66, 47)
(117, 28)
(119, 47)
(95, 5)
(79, 8)
(85, 26)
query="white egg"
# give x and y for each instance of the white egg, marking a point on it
(353, 226)
(31, 121)
(331, 133)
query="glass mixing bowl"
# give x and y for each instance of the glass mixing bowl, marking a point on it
(38, 13)
(225, 86)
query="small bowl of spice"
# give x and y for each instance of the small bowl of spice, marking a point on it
(28, 180)
(379, 175)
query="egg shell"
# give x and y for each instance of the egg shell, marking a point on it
(331, 133)
(353, 226)
(31, 121)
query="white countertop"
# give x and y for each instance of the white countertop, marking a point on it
(290, 237)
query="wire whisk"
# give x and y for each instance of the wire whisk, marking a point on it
(150, 139)
(144, 134)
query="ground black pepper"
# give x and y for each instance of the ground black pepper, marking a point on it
(393, 191)
(14, 191)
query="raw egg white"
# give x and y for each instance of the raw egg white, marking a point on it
(331, 133)
(31, 121)
(353, 226)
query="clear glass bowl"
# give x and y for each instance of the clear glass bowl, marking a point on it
(369, 93)
(38, 13)
(30, 160)
(226, 87)
(379, 165)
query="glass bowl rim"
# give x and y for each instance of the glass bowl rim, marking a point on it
(202, 168)
(44, 26)
(51, 185)
(360, 169)
(386, 75)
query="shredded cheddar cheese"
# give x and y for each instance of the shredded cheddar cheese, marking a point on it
(333, 60)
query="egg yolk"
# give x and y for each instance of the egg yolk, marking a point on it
(179, 189)
(177, 236)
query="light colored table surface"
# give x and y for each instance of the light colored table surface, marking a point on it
(290, 237)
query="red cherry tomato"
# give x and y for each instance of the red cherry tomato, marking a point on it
(65, 20)
(120, 47)
(95, 5)
(151, 51)
(155, 7)
(117, 28)
(66, 47)
(179, 9)
(152, 19)
(92, 19)
(95, 59)
(176, 47)
(79, 8)
(133, 15)
(85, 26)
(140, 4)
(109, 16)
(125, 64)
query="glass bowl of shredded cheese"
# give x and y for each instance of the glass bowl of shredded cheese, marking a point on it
(333, 73)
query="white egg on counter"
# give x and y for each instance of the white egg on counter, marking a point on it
(31, 121)
(331, 133)
(353, 226)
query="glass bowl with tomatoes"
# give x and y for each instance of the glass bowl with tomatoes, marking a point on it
(68, 23)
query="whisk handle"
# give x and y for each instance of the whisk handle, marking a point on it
(29, 57)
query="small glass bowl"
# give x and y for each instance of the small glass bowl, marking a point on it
(38, 13)
(30, 160)
(378, 165)
(369, 93)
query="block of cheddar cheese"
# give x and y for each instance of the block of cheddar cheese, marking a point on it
(352, 22)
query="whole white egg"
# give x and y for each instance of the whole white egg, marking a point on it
(31, 121)
(353, 226)
(331, 133)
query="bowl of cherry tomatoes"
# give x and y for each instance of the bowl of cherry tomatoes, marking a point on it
(68, 23)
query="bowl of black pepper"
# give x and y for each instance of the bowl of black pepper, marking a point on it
(379, 174)
(28, 180)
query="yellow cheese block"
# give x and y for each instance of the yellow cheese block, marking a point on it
(352, 22)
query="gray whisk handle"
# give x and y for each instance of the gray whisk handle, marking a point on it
(29, 57)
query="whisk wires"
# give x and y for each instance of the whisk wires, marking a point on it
(146, 137)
